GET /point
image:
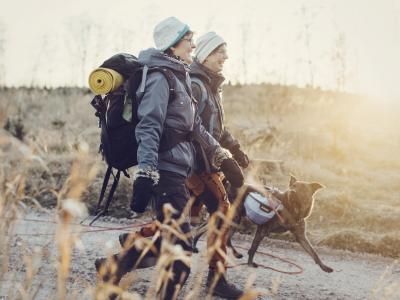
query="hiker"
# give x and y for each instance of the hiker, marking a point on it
(206, 184)
(162, 174)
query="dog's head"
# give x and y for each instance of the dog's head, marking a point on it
(300, 197)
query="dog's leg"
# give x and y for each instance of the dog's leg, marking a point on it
(202, 229)
(240, 212)
(299, 232)
(262, 231)
(232, 231)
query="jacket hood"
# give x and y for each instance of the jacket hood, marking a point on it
(214, 80)
(156, 58)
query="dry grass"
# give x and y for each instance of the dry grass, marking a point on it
(339, 140)
(347, 142)
(28, 175)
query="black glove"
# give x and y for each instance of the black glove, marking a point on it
(232, 172)
(142, 193)
(241, 158)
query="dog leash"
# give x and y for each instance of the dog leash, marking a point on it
(126, 228)
(299, 271)
(98, 228)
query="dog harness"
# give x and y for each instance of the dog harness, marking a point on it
(261, 208)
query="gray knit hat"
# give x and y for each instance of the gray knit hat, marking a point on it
(168, 32)
(206, 44)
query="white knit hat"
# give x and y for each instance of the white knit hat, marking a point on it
(206, 44)
(168, 32)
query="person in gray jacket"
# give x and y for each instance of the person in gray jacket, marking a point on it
(162, 174)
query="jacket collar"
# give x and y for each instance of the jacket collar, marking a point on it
(155, 58)
(214, 80)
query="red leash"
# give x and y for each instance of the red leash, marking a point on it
(100, 228)
(268, 195)
(300, 269)
(128, 227)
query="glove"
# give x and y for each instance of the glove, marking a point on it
(142, 193)
(232, 172)
(241, 158)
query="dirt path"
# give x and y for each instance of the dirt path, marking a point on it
(356, 276)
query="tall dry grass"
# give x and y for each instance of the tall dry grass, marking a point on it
(18, 193)
(347, 142)
(17, 161)
(343, 141)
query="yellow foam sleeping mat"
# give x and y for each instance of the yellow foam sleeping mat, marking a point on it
(103, 81)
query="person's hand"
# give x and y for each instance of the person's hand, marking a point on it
(142, 193)
(233, 173)
(241, 158)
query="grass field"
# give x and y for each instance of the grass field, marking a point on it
(348, 143)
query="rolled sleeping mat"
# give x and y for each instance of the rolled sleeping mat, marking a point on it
(103, 81)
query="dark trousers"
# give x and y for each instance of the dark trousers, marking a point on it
(170, 189)
(209, 190)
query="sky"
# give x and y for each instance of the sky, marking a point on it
(348, 45)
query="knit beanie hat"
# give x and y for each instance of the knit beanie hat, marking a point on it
(206, 44)
(168, 32)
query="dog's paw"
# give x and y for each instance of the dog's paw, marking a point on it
(326, 269)
(253, 264)
(238, 255)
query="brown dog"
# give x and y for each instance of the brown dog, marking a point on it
(297, 203)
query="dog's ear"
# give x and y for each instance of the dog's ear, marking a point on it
(315, 186)
(292, 180)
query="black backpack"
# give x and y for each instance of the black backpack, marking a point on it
(118, 143)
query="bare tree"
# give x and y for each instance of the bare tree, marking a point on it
(78, 43)
(308, 19)
(244, 39)
(339, 60)
(40, 62)
(2, 53)
(124, 40)
(97, 52)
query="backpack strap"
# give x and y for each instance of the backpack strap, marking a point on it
(203, 100)
(143, 82)
(168, 74)
(99, 212)
(110, 195)
(104, 186)
(112, 191)
(170, 137)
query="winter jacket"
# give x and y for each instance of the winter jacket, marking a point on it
(206, 87)
(155, 113)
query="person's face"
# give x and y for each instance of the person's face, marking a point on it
(215, 61)
(184, 48)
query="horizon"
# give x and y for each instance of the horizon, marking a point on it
(335, 45)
